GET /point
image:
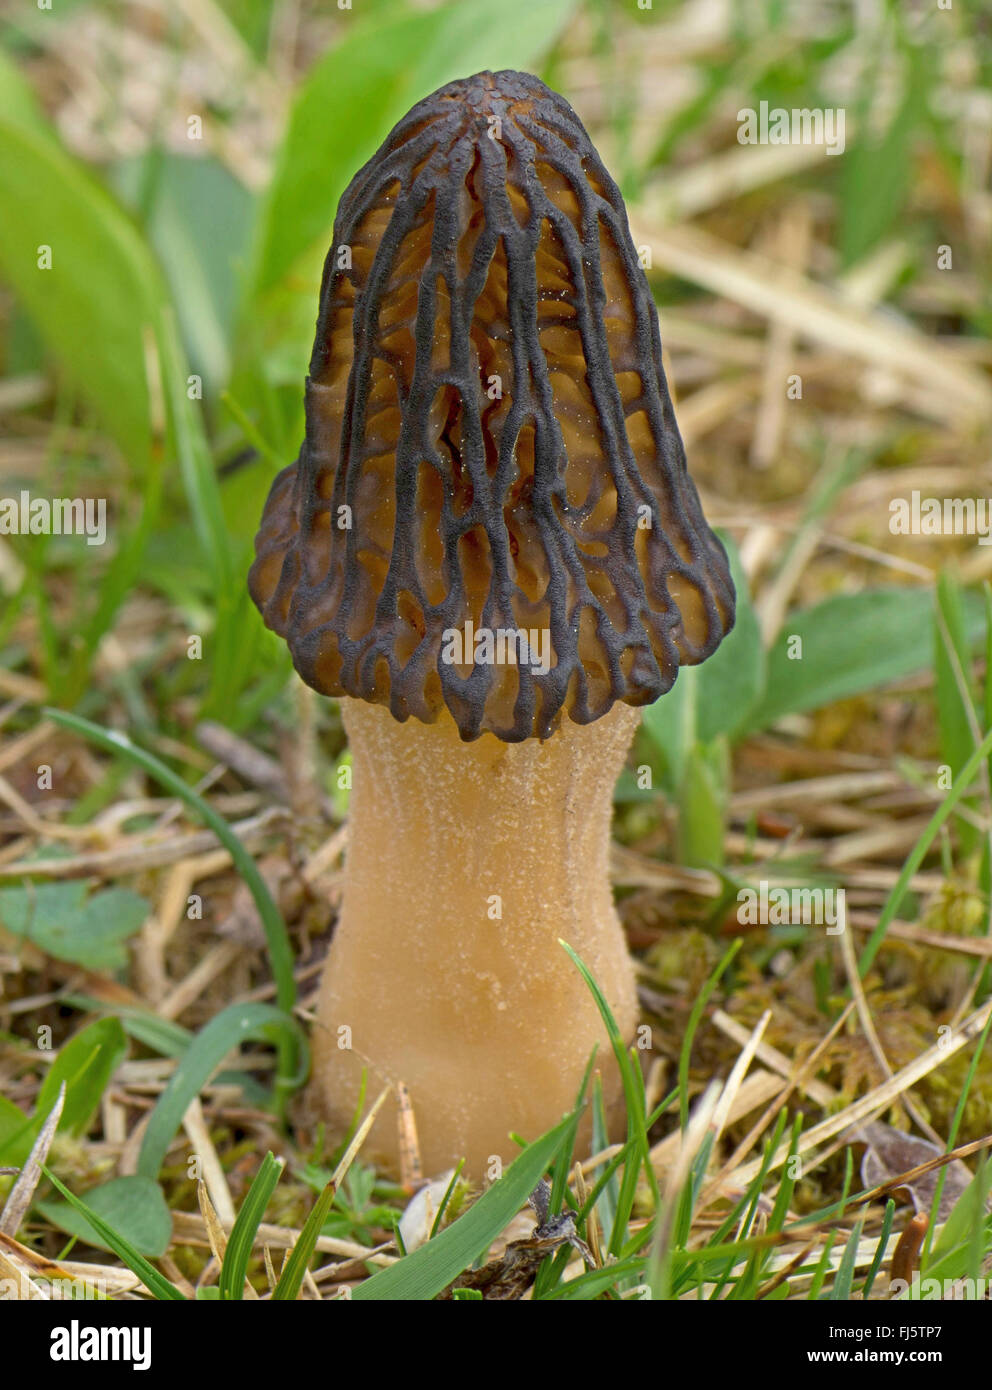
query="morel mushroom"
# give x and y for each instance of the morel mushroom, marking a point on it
(490, 547)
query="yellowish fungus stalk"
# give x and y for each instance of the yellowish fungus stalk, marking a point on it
(466, 864)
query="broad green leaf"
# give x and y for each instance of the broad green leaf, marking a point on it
(237, 1024)
(198, 221)
(18, 103)
(85, 1063)
(671, 723)
(957, 1228)
(103, 312)
(63, 921)
(133, 1206)
(101, 298)
(15, 1132)
(703, 804)
(716, 697)
(849, 644)
(877, 170)
(423, 1274)
(157, 1283)
(361, 88)
(33, 913)
(732, 681)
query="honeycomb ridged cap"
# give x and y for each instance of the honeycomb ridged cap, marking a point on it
(490, 439)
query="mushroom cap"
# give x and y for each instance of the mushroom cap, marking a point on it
(489, 438)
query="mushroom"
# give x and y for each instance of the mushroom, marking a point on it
(490, 549)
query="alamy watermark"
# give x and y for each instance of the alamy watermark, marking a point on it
(54, 516)
(941, 516)
(501, 646)
(79, 1342)
(59, 1289)
(968, 1290)
(775, 125)
(765, 906)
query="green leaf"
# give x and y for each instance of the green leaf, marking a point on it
(671, 724)
(695, 1014)
(715, 698)
(732, 681)
(850, 643)
(245, 1228)
(291, 1278)
(134, 1206)
(957, 716)
(881, 1247)
(702, 804)
(235, 1025)
(360, 89)
(33, 913)
(102, 311)
(632, 1080)
(15, 1133)
(957, 1228)
(840, 1291)
(85, 1063)
(60, 919)
(423, 1274)
(163, 1036)
(157, 1283)
(919, 853)
(876, 173)
(196, 464)
(952, 663)
(103, 291)
(198, 223)
(18, 103)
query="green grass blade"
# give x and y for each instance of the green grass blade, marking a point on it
(234, 1025)
(606, 1189)
(195, 463)
(448, 1194)
(844, 1279)
(919, 852)
(880, 1249)
(241, 1241)
(702, 999)
(425, 1272)
(952, 1134)
(633, 1089)
(291, 1278)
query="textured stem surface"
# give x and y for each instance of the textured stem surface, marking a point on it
(466, 864)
